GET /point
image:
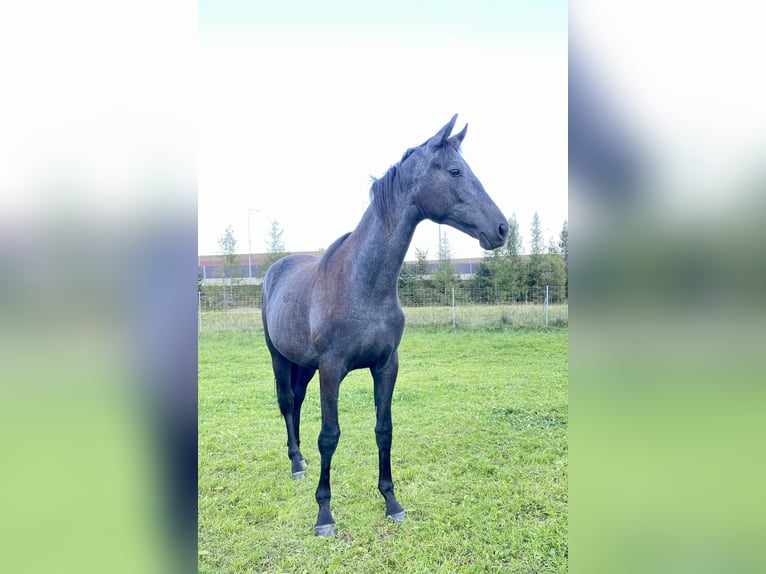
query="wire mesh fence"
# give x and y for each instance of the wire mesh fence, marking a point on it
(239, 308)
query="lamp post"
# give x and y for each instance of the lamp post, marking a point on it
(249, 247)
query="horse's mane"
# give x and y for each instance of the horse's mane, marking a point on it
(325, 261)
(382, 195)
(384, 188)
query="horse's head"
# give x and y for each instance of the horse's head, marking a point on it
(445, 190)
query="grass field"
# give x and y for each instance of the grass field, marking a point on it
(479, 460)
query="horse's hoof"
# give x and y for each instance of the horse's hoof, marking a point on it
(298, 469)
(325, 530)
(398, 517)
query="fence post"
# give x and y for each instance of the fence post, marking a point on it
(546, 305)
(453, 307)
(199, 311)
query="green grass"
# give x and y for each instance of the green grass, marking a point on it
(479, 460)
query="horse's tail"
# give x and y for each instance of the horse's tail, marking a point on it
(268, 340)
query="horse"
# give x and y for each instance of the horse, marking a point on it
(340, 312)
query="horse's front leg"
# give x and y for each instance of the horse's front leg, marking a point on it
(329, 383)
(384, 376)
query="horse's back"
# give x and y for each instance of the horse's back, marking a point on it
(287, 270)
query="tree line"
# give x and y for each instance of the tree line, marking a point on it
(505, 275)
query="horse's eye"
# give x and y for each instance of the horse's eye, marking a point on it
(454, 172)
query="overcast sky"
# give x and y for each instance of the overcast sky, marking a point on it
(302, 102)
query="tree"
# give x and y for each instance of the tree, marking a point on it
(512, 272)
(502, 268)
(275, 246)
(407, 285)
(411, 280)
(228, 246)
(420, 271)
(537, 243)
(544, 268)
(551, 272)
(228, 250)
(536, 248)
(512, 247)
(421, 265)
(564, 250)
(444, 277)
(564, 241)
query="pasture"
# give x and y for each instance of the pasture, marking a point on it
(479, 459)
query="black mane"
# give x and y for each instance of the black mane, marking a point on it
(384, 188)
(382, 195)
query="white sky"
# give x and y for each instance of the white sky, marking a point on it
(300, 108)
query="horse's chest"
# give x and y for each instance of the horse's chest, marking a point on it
(360, 335)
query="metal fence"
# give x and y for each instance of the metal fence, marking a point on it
(229, 308)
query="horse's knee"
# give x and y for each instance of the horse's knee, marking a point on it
(328, 442)
(285, 404)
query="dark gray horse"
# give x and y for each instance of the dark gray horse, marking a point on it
(341, 312)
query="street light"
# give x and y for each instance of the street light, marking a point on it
(249, 247)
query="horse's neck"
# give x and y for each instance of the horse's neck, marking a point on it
(380, 251)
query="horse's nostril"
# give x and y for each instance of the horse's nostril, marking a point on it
(502, 230)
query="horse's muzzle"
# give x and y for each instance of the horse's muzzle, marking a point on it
(496, 239)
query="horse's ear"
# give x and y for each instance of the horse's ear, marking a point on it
(457, 139)
(442, 135)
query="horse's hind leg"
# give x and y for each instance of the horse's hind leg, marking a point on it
(300, 378)
(286, 398)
